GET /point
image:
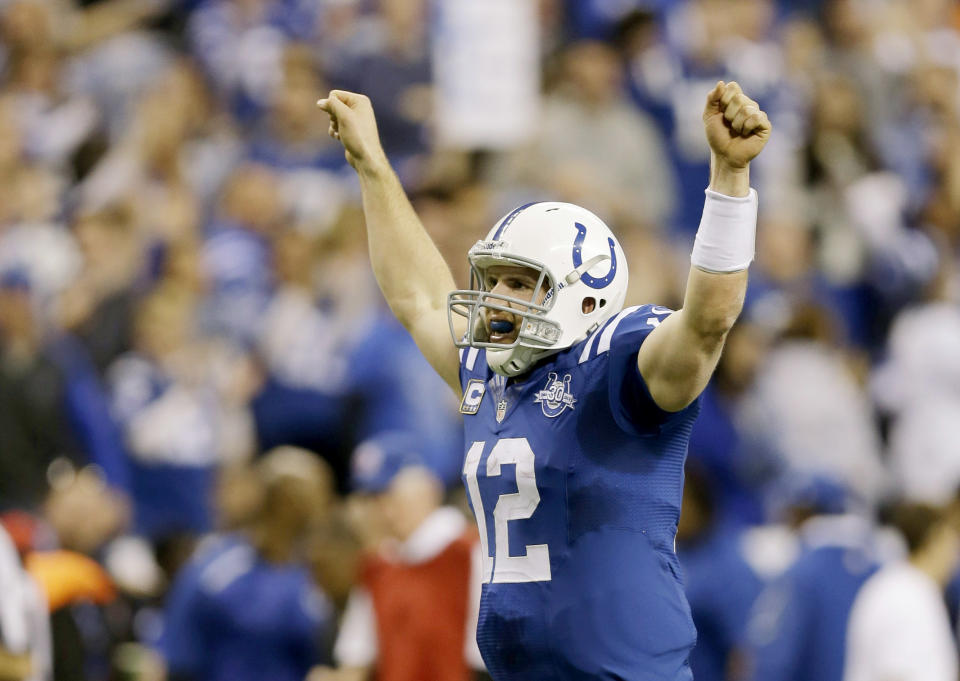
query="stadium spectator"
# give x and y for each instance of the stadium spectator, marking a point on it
(294, 143)
(805, 405)
(237, 252)
(412, 615)
(719, 579)
(388, 57)
(305, 335)
(594, 147)
(240, 47)
(899, 627)
(172, 398)
(33, 417)
(799, 624)
(176, 149)
(245, 606)
(88, 610)
(55, 120)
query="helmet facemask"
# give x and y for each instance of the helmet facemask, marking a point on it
(536, 335)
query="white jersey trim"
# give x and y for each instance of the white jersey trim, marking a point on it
(607, 336)
(608, 326)
(471, 358)
(585, 355)
(468, 357)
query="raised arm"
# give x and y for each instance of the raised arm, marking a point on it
(411, 272)
(679, 356)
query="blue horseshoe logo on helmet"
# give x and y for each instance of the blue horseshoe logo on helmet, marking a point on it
(593, 282)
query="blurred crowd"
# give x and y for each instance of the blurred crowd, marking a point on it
(222, 458)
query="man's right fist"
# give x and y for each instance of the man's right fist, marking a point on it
(353, 123)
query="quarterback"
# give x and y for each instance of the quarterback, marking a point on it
(577, 411)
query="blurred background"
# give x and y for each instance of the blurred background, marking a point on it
(222, 458)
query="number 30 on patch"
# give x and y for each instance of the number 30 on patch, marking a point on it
(472, 395)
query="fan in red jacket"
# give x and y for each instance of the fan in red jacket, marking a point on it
(412, 614)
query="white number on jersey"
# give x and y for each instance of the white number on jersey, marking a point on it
(535, 565)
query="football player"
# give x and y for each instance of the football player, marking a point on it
(577, 411)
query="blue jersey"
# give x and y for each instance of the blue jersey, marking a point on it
(721, 586)
(575, 477)
(232, 616)
(798, 627)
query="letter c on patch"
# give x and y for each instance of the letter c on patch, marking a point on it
(472, 396)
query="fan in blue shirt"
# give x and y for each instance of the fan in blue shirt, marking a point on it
(243, 608)
(720, 581)
(798, 626)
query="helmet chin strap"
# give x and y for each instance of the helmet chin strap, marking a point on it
(513, 361)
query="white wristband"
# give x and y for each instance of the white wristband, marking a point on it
(727, 235)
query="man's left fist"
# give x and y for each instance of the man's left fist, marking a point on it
(737, 129)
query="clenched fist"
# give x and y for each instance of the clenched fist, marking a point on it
(353, 123)
(737, 129)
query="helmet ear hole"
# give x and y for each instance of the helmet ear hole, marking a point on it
(588, 305)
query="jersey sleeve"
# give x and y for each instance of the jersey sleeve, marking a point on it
(633, 407)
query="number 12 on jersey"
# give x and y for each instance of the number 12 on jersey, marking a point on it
(502, 567)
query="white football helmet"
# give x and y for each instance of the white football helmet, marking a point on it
(577, 258)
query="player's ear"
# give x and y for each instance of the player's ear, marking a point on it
(588, 305)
